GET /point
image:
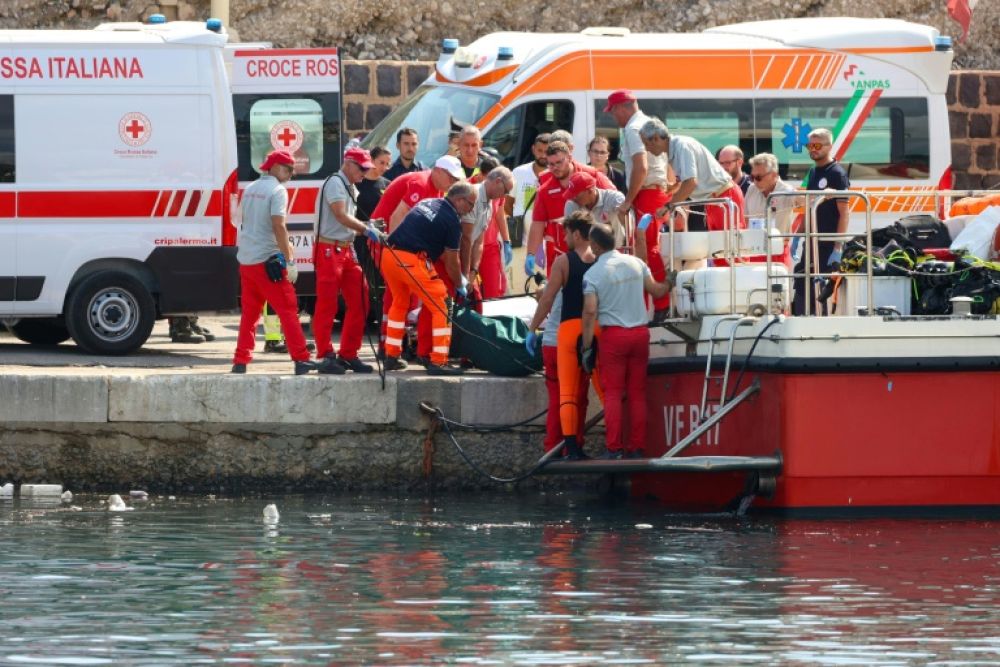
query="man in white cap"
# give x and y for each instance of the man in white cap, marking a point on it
(337, 268)
(409, 189)
(267, 263)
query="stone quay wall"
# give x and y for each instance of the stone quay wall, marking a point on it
(222, 433)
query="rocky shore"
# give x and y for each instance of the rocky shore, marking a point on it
(382, 30)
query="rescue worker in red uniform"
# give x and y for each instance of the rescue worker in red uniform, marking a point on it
(267, 263)
(431, 231)
(551, 201)
(614, 303)
(566, 278)
(337, 268)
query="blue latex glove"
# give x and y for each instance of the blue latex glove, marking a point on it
(531, 343)
(374, 234)
(834, 260)
(462, 291)
(644, 222)
(508, 253)
(529, 264)
(540, 258)
(588, 359)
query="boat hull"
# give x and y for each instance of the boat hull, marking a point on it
(847, 440)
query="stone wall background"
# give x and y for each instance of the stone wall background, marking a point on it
(385, 30)
(974, 113)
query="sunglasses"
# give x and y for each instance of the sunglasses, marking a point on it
(815, 146)
(760, 177)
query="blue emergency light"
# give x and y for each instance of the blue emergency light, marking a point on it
(449, 46)
(156, 19)
(505, 53)
(215, 25)
(942, 43)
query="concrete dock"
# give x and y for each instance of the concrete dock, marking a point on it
(172, 417)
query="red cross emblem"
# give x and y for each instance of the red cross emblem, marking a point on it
(287, 135)
(134, 128)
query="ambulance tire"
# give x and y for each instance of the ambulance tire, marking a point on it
(110, 312)
(41, 330)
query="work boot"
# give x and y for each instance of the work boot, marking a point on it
(395, 364)
(303, 367)
(201, 331)
(331, 366)
(611, 455)
(356, 365)
(239, 369)
(635, 454)
(181, 331)
(444, 369)
(276, 346)
(574, 452)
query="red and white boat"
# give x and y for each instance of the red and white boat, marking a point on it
(856, 411)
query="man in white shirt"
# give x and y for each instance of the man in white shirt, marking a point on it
(267, 263)
(764, 173)
(522, 199)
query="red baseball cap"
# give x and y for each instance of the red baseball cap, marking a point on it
(619, 97)
(277, 157)
(359, 156)
(579, 182)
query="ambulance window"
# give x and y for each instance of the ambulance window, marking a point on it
(892, 143)
(6, 138)
(715, 123)
(308, 126)
(514, 134)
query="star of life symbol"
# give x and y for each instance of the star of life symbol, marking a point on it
(134, 128)
(287, 135)
(796, 135)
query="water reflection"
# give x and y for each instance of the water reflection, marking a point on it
(508, 580)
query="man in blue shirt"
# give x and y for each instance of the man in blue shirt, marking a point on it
(407, 143)
(432, 230)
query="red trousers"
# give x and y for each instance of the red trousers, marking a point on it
(715, 215)
(553, 423)
(491, 271)
(338, 271)
(623, 357)
(256, 289)
(649, 201)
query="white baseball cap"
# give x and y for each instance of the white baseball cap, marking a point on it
(451, 165)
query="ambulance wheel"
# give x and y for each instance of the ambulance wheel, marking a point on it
(41, 331)
(110, 312)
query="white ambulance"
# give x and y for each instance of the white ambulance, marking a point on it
(117, 175)
(878, 84)
(121, 164)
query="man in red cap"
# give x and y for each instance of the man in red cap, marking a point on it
(550, 203)
(337, 267)
(603, 205)
(267, 263)
(646, 175)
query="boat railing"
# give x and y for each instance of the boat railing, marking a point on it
(731, 217)
(809, 236)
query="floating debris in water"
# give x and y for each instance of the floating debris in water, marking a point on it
(643, 526)
(67, 497)
(7, 490)
(136, 494)
(116, 504)
(271, 514)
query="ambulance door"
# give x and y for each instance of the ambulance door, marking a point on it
(8, 208)
(514, 132)
(290, 99)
